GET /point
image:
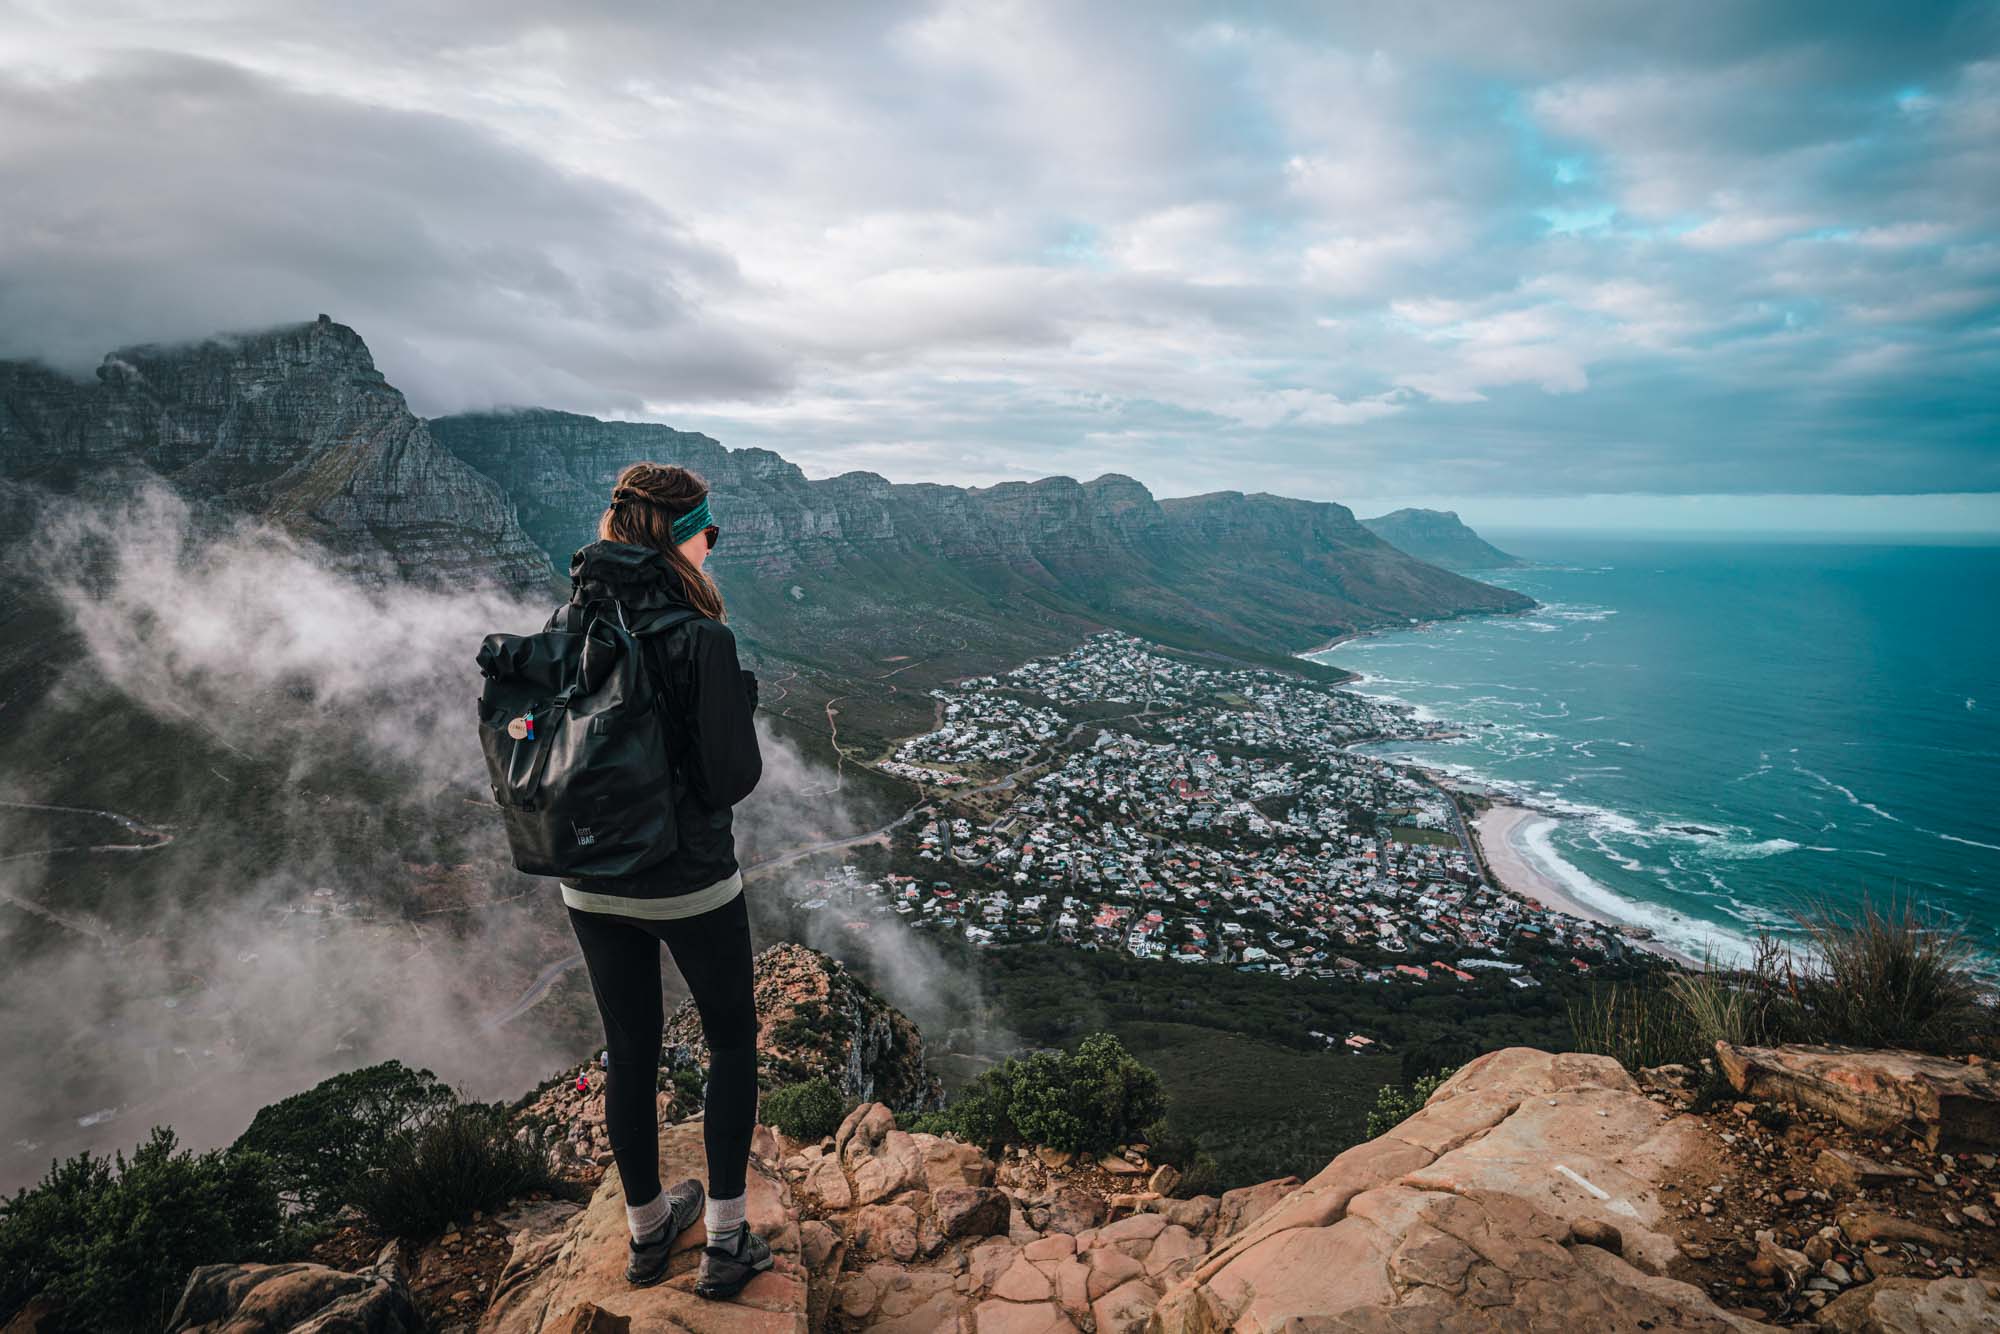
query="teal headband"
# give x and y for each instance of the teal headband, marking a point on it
(692, 522)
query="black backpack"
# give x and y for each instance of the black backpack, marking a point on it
(578, 743)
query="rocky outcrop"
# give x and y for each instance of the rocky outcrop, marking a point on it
(572, 1277)
(1916, 1306)
(1440, 537)
(271, 1299)
(294, 425)
(817, 1019)
(1949, 1105)
(1490, 1207)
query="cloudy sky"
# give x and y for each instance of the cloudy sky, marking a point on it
(1537, 261)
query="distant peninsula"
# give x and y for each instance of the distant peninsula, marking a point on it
(1440, 538)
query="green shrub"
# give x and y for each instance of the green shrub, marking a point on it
(453, 1160)
(1083, 1101)
(1890, 979)
(322, 1138)
(112, 1240)
(1638, 1024)
(1397, 1103)
(805, 1112)
(687, 1086)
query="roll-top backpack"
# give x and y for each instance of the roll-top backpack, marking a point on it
(578, 743)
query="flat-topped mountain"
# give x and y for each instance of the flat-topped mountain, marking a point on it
(1438, 536)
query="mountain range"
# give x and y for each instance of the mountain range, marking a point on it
(826, 577)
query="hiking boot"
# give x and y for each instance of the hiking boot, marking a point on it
(647, 1263)
(724, 1272)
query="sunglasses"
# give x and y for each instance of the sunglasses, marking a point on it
(713, 534)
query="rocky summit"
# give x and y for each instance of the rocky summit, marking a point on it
(293, 425)
(1531, 1192)
(817, 1019)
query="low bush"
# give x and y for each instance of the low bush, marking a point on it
(322, 1138)
(805, 1112)
(1867, 977)
(112, 1241)
(1084, 1101)
(453, 1160)
(1397, 1103)
(1891, 979)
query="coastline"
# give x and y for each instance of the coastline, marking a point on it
(1516, 873)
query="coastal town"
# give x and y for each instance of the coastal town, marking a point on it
(1118, 798)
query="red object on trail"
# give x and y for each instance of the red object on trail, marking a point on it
(583, 1083)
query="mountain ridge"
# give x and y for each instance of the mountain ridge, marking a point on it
(1440, 537)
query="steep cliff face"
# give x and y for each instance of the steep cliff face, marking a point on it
(295, 425)
(1440, 537)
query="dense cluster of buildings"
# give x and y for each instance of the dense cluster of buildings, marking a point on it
(1221, 821)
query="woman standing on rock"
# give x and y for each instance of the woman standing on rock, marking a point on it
(652, 543)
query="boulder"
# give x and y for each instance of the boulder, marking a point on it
(1950, 1105)
(880, 1160)
(254, 1299)
(1240, 1207)
(1065, 1208)
(1865, 1225)
(1915, 1306)
(1850, 1171)
(971, 1211)
(1469, 1215)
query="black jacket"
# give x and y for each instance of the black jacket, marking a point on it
(711, 698)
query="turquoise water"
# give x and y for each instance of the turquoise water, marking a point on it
(1824, 720)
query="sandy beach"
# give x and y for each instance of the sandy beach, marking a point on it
(1497, 831)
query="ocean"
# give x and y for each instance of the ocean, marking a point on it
(1721, 731)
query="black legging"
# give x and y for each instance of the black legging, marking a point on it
(712, 951)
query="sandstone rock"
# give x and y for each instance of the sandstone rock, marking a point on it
(1194, 1213)
(1023, 1282)
(1849, 1171)
(971, 1211)
(1004, 1317)
(1240, 1207)
(1165, 1177)
(888, 1231)
(881, 1160)
(1065, 1208)
(826, 1183)
(1946, 1104)
(1779, 1262)
(1457, 1218)
(948, 1162)
(1126, 1308)
(254, 1299)
(1866, 1225)
(551, 1274)
(1914, 1306)
(1052, 1247)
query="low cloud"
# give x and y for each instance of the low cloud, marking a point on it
(324, 886)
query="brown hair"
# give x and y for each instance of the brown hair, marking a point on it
(645, 501)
